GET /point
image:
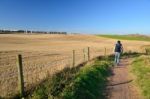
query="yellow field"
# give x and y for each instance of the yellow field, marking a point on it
(44, 54)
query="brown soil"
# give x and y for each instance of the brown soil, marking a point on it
(121, 83)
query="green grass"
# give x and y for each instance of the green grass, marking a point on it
(86, 82)
(141, 69)
(53, 86)
(89, 83)
(127, 37)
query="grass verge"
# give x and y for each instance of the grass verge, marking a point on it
(89, 83)
(140, 67)
(86, 82)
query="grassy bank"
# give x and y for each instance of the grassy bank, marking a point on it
(90, 82)
(141, 69)
(87, 82)
(127, 37)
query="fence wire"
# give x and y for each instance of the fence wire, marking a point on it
(37, 66)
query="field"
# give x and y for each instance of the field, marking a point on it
(128, 37)
(44, 54)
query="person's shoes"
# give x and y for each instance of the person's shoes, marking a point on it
(117, 64)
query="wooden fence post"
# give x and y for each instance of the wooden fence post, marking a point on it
(146, 51)
(73, 58)
(84, 55)
(88, 53)
(20, 76)
(105, 52)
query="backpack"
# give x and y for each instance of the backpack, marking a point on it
(118, 47)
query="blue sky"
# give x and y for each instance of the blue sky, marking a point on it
(83, 16)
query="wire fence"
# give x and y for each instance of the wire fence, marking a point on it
(36, 67)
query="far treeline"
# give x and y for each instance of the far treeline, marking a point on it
(29, 32)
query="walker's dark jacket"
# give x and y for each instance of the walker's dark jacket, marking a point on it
(118, 48)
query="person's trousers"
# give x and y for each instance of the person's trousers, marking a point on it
(117, 57)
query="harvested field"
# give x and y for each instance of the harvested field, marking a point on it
(44, 54)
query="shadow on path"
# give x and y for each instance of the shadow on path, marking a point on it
(125, 82)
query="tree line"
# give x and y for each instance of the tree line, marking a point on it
(30, 32)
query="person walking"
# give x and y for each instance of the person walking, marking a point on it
(118, 50)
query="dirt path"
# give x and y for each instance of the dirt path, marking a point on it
(120, 83)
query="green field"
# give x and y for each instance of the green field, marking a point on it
(128, 37)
